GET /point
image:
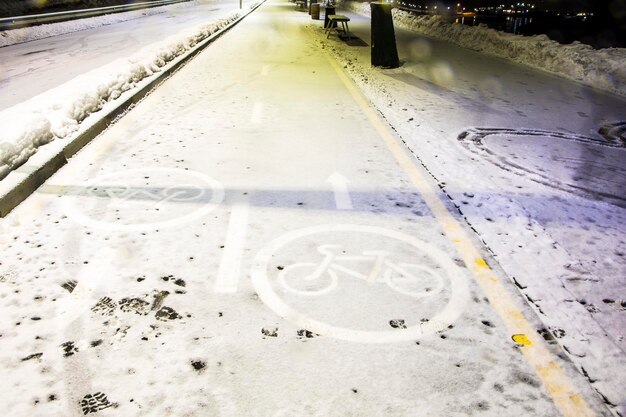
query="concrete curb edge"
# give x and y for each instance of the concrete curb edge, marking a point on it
(23, 188)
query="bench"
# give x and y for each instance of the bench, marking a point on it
(333, 19)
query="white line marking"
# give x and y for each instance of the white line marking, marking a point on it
(340, 188)
(230, 266)
(265, 70)
(257, 112)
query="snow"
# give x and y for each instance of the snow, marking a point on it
(534, 163)
(88, 306)
(30, 68)
(603, 69)
(109, 273)
(58, 112)
(12, 37)
(52, 115)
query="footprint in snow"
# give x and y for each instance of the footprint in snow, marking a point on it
(105, 306)
(269, 331)
(135, 305)
(92, 403)
(306, 334)
(397, 324)
(167, 314)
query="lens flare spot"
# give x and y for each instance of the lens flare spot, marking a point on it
(420, 49)
(442, 74)
(38, 3)
(490, 87)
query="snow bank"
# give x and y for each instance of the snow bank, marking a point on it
(57, 113)
(604, 69)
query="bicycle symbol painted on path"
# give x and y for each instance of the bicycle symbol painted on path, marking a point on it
(122, 196)
(413, 280)
(347, 281)
(143, 198)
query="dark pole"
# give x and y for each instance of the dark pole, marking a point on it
(384, 52)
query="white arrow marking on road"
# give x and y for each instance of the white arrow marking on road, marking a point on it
(230, 267)
(340, 188)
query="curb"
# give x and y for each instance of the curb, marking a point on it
(22, 182)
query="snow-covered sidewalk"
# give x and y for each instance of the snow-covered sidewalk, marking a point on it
(603, 69)
(254, 241)
(535, 163)
(81, 73)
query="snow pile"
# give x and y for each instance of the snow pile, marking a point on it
(603, 69)
(11, 37)
(57, 113)
(363, 8)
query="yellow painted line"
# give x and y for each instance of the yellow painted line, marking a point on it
(564, 395)
(521, 339)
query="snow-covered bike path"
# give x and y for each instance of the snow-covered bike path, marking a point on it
(205, 256)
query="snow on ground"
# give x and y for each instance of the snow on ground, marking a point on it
(535, 164)
(31, 68)
(51, 115)
(11, 37)
(122, 296)
(604, 69)
(57, 113)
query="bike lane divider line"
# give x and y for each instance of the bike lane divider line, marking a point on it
(228, 274)
(564, 394)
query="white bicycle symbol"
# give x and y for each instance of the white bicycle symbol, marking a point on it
(310, 279)
(121, 191)
(122, 196)
(418, 280)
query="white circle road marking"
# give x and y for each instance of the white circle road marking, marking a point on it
(191, 179)
(445, 317)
